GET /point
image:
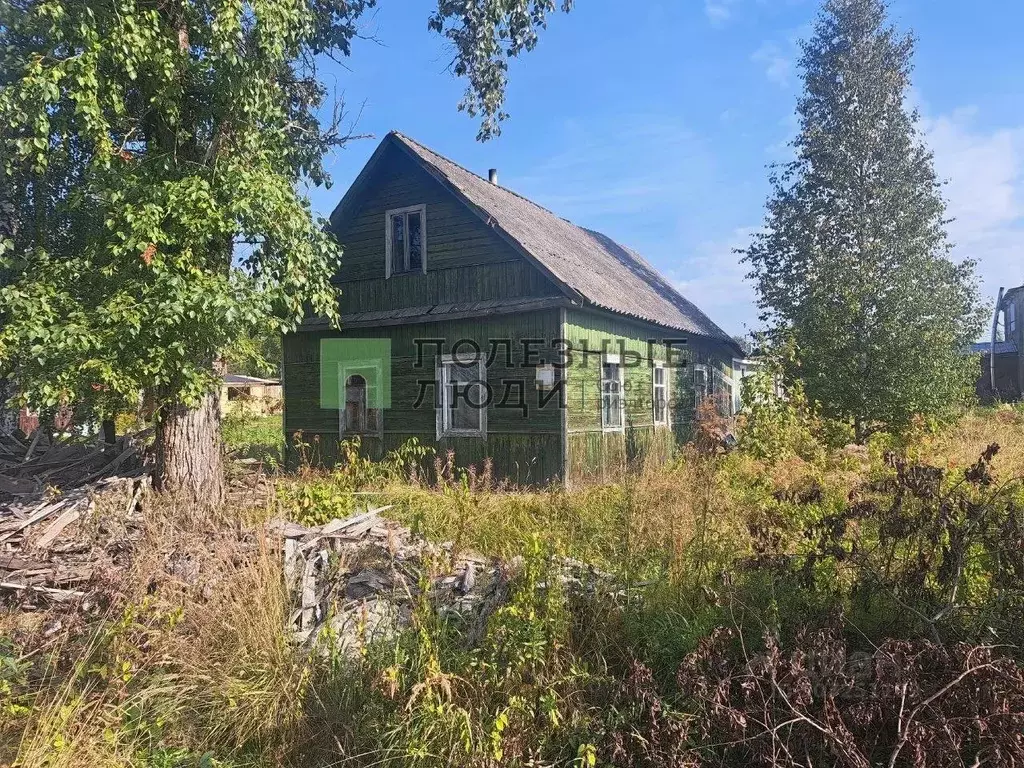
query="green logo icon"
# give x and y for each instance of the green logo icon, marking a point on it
(363, 364)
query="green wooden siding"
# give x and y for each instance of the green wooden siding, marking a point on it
(448, 286)
(466, 262)
(524, 448)
(590, 448)
(466, 259)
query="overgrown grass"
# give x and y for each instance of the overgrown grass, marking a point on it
(254, 437)
(641, 526)
(186, 660)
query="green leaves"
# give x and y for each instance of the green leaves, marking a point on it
(155, 158)
(153, 152)
(854, 266)
(486, 34)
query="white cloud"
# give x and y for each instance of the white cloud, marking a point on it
(638, 168)
(715, 280)
(778, 66)
(719, 12)
(648, 192)
(984, 168)
(985, 193)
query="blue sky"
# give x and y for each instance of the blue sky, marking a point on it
(654, 121)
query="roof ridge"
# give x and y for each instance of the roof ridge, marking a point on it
(585, 230)
(463, 168)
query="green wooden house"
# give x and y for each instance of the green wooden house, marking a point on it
(483, 324)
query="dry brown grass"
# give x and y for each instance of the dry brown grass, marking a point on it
(961, 444)
(189, 653)
(192, 634)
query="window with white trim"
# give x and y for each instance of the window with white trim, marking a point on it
(726, 402)
(1011, 318)
(701, 384)
(462, 404)
(741, 369)
(659, 384)
(405, 240)
(612, 403)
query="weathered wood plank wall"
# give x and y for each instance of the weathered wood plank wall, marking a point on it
(590, 449)
(466, 260)
(525, 448)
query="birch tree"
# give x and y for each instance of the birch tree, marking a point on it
(854, 265)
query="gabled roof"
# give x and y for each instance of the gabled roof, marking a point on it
(587, 265)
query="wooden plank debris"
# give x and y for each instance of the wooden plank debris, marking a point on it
(46, 486)
(58, 525)
(58, 594)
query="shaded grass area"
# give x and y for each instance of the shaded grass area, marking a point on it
(254, 437)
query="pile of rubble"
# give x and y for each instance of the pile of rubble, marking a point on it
(29, 466)
(361, 578)
(46, 486)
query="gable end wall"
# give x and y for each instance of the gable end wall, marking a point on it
(466, 260)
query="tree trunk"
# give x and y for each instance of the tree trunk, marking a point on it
(8, 416)
(189, 457)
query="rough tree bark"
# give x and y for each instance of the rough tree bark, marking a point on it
(189, 454)
(8, 416)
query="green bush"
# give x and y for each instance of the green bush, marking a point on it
(315, 498)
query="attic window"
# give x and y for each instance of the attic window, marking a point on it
(405, 240)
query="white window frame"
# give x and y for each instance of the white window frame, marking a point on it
(659, 365)
(443, 415)
(546, 377)
(1011, 319)
(708, 386)
(610, 359)
(421, 209)
(352, 368)
(742, 368)
(728, 382)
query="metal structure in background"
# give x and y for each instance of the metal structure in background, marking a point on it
(992, 347)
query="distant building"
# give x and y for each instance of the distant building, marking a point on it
(258, 397)
(1002, 364)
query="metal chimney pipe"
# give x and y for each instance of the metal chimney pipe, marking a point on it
(492, 176)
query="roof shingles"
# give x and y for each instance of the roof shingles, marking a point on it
(606, 274)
